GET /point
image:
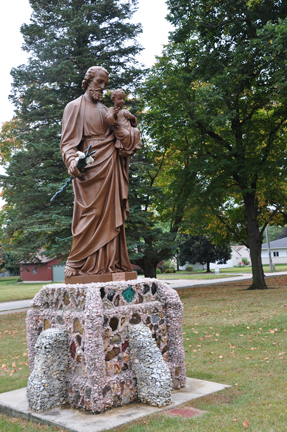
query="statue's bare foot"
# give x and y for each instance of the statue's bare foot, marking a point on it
(69, 271)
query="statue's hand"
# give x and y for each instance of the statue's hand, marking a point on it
(73, 169)
(116, 110)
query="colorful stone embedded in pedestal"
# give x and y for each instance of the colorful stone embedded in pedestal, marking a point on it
(97, 318)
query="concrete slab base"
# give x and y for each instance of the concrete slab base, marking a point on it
(14, 403)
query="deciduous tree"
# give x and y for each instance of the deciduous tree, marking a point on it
(218, 97)
(200, 249)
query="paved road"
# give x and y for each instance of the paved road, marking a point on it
(22, 305)
(15, 305)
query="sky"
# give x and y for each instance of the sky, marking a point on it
(13, 13)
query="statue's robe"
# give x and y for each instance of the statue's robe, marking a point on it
(101, 193)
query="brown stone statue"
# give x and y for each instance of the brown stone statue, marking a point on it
(124, 125)
(101, 189)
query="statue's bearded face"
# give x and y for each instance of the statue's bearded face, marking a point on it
(97, 85)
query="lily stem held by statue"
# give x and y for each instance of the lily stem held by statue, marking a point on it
(83, 161)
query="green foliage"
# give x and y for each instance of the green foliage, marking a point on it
(200, 249)
(218, 105)
(170, 270)
(189, 268)
(9, 144)
(274, 232)
(167, 265)
(9, 262)
(158, 271)
(148, 240)
(245, 261)
(63, 40)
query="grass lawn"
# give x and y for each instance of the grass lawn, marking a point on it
(183, 274)
(11, 290)
(248, 269)
(231, 336)
(192, 276)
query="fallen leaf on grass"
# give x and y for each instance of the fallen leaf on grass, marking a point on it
(146, 423)
(24, 354)
(235, 419)
(13, 364)
(246, 424)
(11, 373)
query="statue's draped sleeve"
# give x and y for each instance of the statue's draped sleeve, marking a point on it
(72, 130)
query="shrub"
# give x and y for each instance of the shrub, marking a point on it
(168, 265)
(189, 268)
(245, 261)
(169, 270)
(19, 280)
(158, 271)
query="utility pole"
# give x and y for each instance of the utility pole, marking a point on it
(269, 252)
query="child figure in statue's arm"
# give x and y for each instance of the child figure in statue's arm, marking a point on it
(124, 125)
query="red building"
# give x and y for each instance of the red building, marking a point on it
(48, 270)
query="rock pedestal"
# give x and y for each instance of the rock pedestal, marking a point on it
(152, 374)
(97, 318)
(47, 384)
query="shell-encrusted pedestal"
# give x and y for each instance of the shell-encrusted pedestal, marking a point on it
(97, 317)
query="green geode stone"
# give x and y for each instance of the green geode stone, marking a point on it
(128, 294)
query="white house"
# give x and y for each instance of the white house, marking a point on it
(278, 250)
(239, 252)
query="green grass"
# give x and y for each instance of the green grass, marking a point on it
(11, 290)
(199, 274)
(248, 269)
(191, 276)
(231, 336)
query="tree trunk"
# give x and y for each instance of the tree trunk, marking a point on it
(254, 243)
(149, 268)
(208, 267)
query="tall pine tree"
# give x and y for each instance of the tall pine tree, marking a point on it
(63, 39)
